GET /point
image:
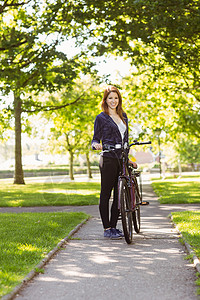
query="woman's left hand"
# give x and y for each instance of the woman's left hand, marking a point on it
(133, 164)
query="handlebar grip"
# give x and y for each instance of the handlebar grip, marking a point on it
(145, 143)
(140, 143)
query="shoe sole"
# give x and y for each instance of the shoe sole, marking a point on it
(116, 238)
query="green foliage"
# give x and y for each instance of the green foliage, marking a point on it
(189, 151)
(162, 40)
(5, 117)
(30, 60)
(26, 239)
(160, 37)
(49, 194)
(177, 192)
(158, 98)
(172, 27)
(73, 125)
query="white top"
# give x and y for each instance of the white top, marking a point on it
(122, 128)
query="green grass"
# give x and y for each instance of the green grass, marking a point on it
(188, 222)
(49, 194)
(25, 240)
(176, 176)
(177, 192)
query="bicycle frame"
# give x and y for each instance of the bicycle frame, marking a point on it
(131, 182)
(129, 195)
(127, 174)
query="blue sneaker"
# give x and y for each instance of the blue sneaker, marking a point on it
(107, 233)
(114, 235)
(120, 232)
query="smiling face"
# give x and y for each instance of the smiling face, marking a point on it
(112, 100)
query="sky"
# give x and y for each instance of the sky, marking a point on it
(113, 65)
(105, 65)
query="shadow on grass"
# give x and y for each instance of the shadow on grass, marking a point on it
(177, 192)
(188, 223)
(46, 199)
(49, 194)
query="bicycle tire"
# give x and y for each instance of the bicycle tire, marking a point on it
(136, 214)
(126, 213)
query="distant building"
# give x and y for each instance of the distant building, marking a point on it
(144, 157)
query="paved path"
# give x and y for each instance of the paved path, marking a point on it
(92, 268)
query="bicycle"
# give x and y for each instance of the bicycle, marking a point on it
(129, 191)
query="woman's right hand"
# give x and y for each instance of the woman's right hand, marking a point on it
(97, 146)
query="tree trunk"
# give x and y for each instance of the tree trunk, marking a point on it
(19, 174)
(193, 166)
(88, 166)
(71, 162)
(179, 167)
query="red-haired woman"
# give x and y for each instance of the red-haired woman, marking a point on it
(110, 127)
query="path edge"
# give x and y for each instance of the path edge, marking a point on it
(189, 249)
(33, 273)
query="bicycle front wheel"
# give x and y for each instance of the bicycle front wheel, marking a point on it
(126, 213)
(136, 214)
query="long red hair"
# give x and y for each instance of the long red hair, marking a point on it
(104, 104)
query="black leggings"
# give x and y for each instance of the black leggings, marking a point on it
(109, 168)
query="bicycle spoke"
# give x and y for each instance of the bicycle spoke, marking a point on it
(126, 213)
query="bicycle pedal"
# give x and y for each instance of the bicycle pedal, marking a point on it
(144, 203)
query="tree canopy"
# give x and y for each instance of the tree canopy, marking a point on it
(161, 38)
(30, 61)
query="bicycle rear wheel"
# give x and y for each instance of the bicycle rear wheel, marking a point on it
(126, 213)
(136, 214)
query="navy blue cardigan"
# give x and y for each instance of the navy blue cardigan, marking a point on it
(107, 131)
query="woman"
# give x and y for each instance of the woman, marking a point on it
(110, 127)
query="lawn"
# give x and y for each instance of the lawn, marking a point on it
(188, 222)
(183, 176)
(49, 194)
(177, 192)
(25, 240)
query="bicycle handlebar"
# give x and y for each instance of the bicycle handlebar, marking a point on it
(111, 147)
(119, 146)
(139, 143)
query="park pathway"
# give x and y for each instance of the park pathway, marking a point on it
(92, 268)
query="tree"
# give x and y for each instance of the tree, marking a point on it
(141, 29)
(158, 99)
(30, 61)
(73, 126)
(173, 27)
(188, 151)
